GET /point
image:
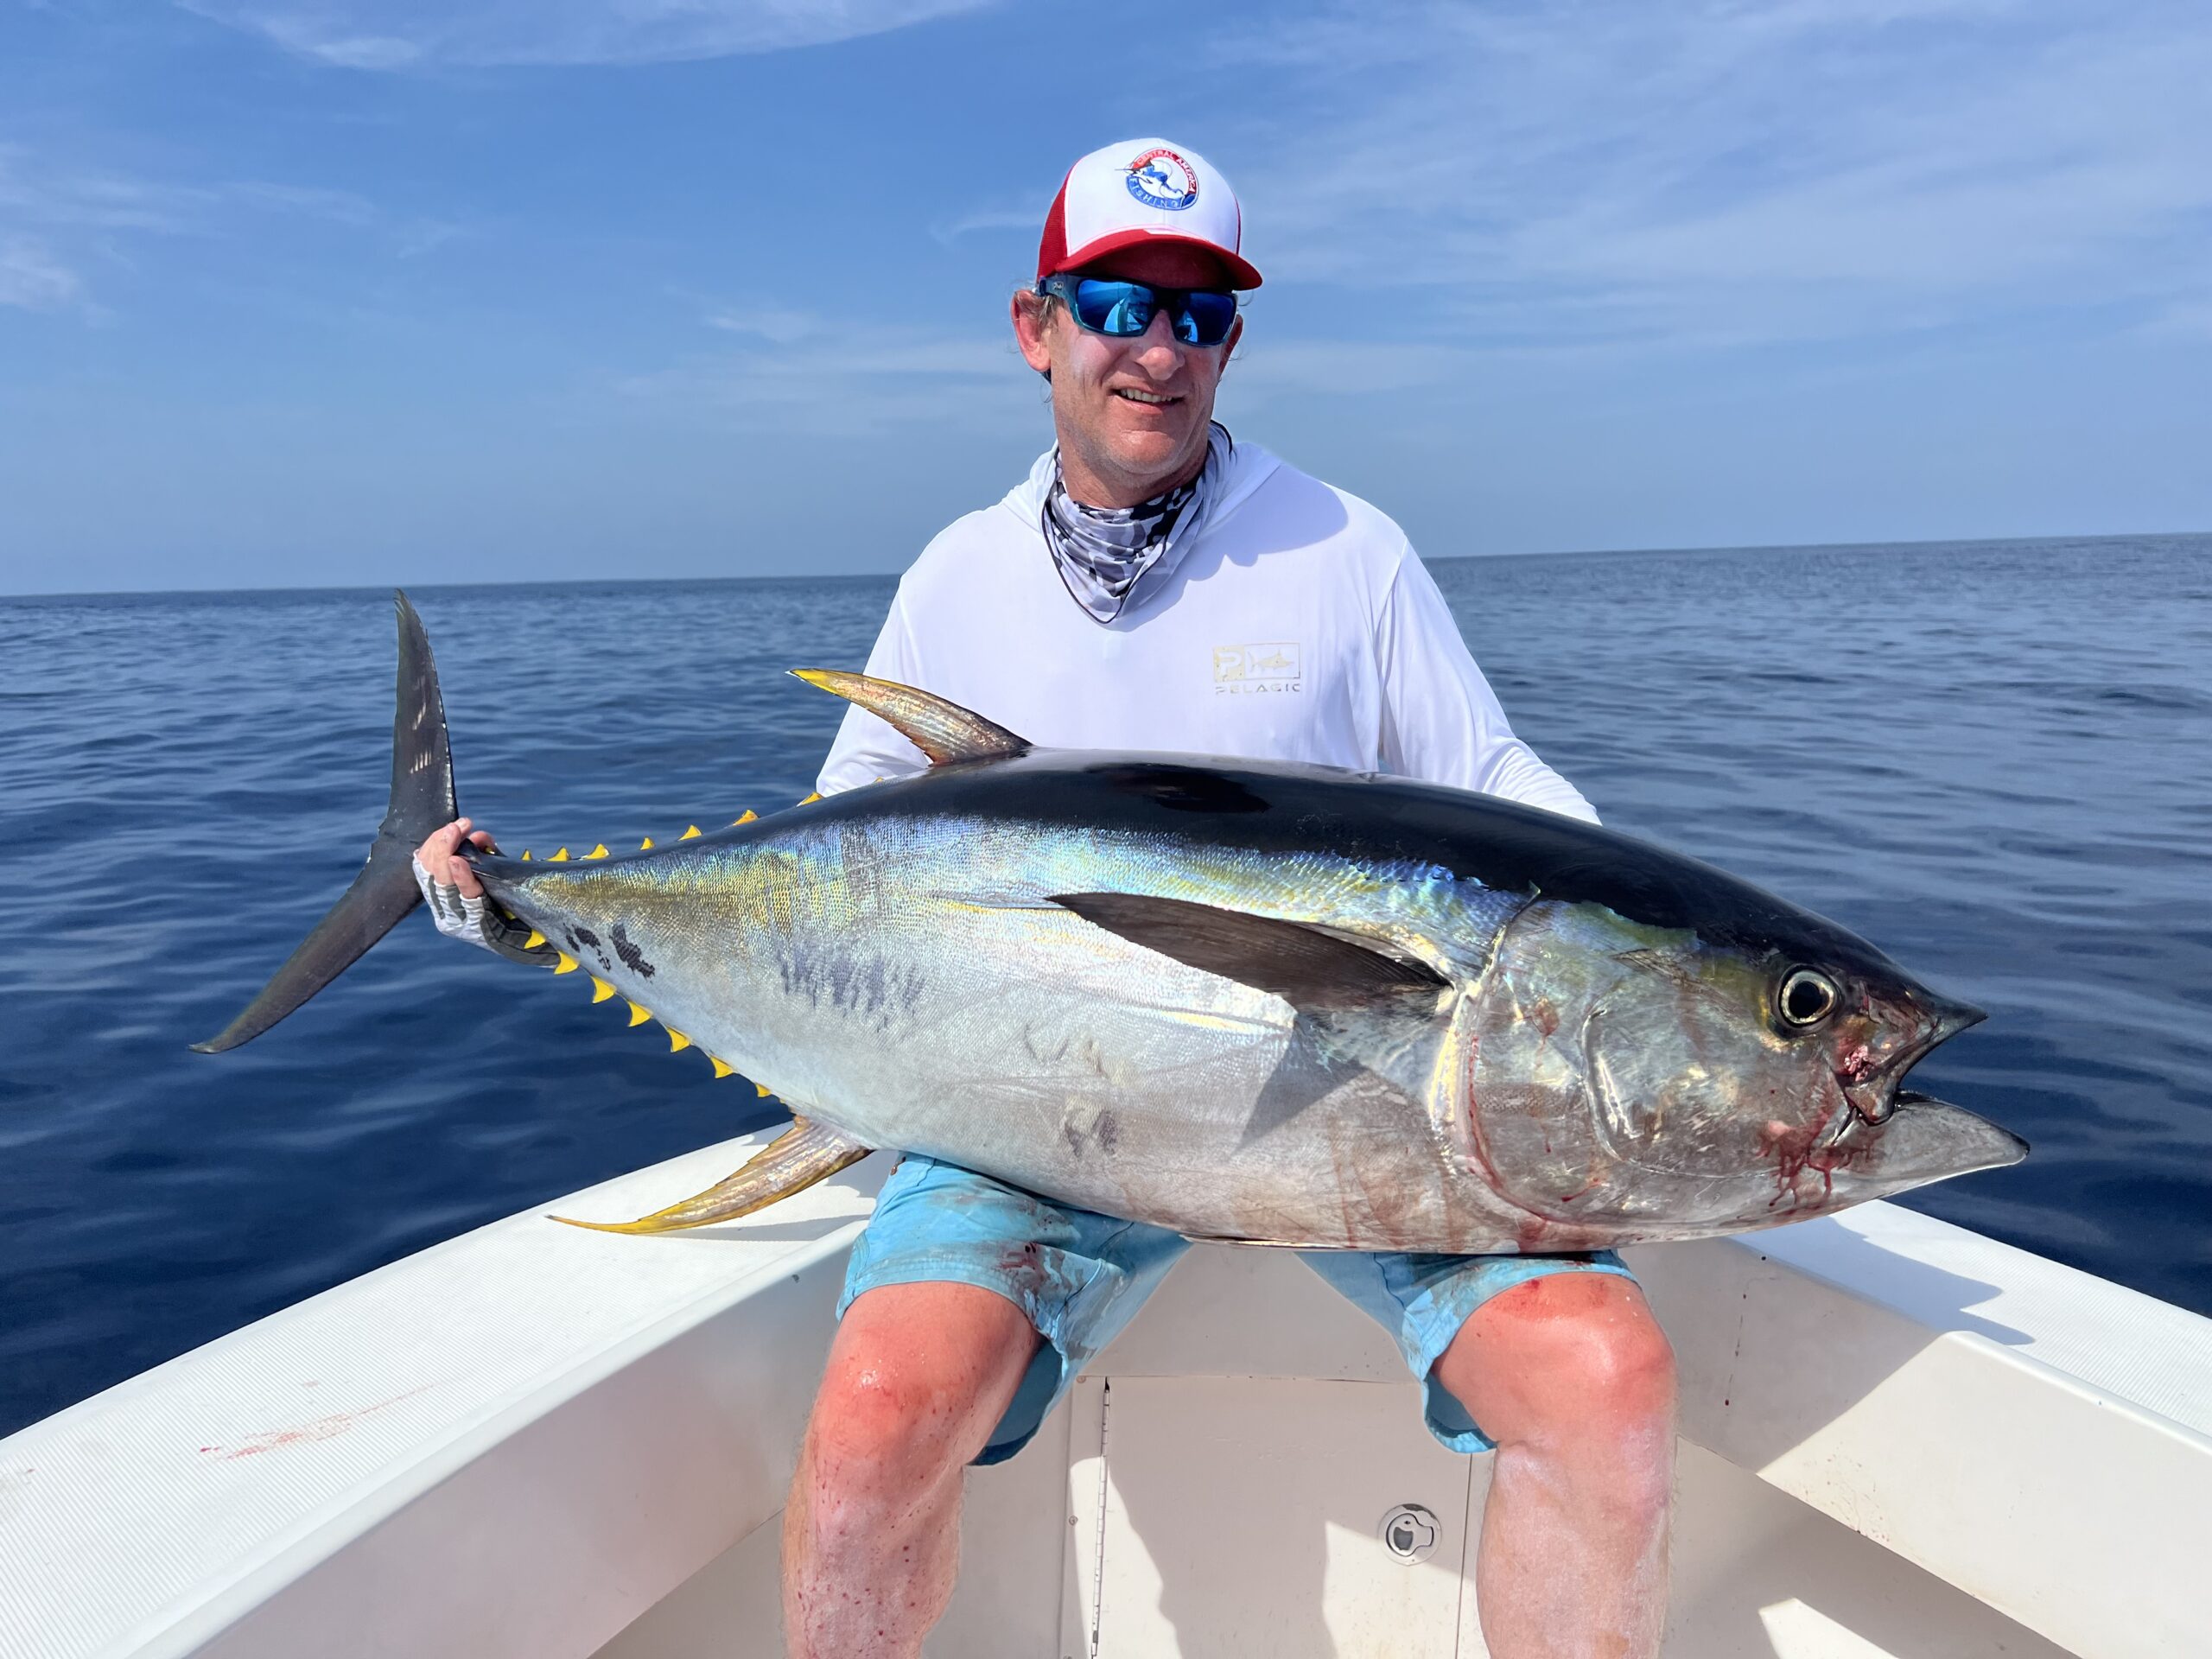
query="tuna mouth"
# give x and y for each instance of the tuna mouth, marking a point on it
(1927, 1140)
(1874, 1101)
(1875, 1088)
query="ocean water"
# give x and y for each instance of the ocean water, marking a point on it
(1995, 760)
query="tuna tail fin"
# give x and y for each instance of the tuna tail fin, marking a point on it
(421, 800)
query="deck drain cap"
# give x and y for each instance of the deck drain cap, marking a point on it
(1409, 1532)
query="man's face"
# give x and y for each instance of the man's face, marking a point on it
(1132, 413)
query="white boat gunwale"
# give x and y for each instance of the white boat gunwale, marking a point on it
(520, 1440)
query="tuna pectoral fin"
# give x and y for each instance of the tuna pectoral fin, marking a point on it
(421, 800)
(803, 1155)
(1307, 967)
(944, 731)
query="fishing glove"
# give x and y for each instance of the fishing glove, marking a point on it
(476, 920)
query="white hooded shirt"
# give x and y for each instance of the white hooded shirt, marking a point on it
(1298, 625)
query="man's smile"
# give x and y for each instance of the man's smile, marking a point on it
(1136, 396)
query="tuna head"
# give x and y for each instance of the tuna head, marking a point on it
(1626, 1081)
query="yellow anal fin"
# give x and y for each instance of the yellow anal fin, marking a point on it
(803, 1155)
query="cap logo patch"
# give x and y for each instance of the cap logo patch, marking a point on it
(1161, 178)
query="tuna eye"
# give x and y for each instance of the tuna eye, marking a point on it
(1808, 996)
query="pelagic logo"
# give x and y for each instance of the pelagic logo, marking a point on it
(1272, 666)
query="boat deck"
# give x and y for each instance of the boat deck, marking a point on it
(1897, 1438)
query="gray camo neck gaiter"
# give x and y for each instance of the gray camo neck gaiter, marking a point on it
(1103, 552)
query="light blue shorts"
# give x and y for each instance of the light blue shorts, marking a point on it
(1081, 1277)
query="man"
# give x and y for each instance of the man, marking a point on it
(1154, 585)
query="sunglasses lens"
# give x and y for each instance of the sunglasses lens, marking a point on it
(1119, 308)
(1206, 318)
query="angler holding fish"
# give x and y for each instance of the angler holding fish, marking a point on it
(1379, 988)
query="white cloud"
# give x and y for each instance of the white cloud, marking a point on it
(1028, 219)
(407, 33)
(1583, 171)
(779, 324)
(1265, 367)
(57, 220)
(32, 193)
(34, 280)
(801, 371)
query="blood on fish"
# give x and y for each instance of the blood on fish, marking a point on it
(1796, 1150)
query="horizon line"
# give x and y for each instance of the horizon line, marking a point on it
(879, 575)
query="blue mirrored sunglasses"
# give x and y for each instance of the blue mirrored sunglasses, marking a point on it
(1197, 316)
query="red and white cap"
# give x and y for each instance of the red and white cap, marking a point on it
(1145, 190)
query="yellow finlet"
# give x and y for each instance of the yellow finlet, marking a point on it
(722, 1067)
(534, 939)
(811, 799)
(639, 1013)
(749, 815)
(525, 854)
(761, 1090)
(561, 857)
(677, 1041)
(690, 834)
(646, 845)
(568, 962)
(600, 990)
(599, 851)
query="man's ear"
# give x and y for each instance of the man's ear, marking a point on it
(1032, 318)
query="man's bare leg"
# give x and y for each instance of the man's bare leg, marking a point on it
(918, 1377)
(1573, 1378)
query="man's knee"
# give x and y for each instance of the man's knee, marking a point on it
(918, 1377)
(1567, 1360)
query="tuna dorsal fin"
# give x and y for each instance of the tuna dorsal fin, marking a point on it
(1307, 967)
(944, 731)
(794, 1160)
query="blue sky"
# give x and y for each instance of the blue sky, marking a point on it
(338, 291)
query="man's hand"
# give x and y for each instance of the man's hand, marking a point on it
(439, 857)
(456, 897)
